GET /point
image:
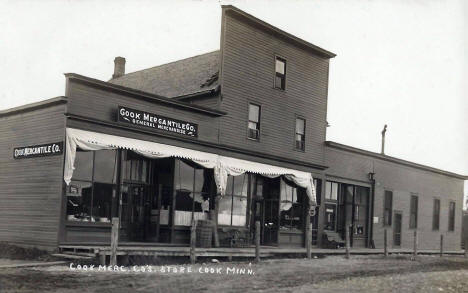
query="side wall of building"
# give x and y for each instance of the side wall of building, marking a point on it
(404, 181)
(31, 188)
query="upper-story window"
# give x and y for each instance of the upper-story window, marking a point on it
(300, 134)
(254, 121)
(280, 73)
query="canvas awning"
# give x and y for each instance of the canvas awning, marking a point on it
(222, 165)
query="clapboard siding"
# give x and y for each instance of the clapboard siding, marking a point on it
(31, 189)
(248, 54)
(102, 104)
(404, 181)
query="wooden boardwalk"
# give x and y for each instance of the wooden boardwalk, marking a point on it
(131, 249)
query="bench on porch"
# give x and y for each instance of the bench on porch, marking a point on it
(235, 238)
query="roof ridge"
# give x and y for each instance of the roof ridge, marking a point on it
(169, 63)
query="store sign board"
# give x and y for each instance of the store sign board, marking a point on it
(41, 150)
(153, 121)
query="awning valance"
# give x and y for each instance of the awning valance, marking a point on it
(222, 165)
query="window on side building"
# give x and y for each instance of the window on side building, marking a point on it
(451, 223)
(413, 224)
(436, 214)
(280, 73)
(254, 122)
(300, 134)
(388, 207)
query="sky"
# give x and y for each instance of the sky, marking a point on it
(400, 63)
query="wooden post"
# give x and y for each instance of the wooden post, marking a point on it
(257, 241)
(193, 240)
(347, 230)
(441, 245)
(308, 236)
(385, 243)
(415, 243)
(114, 241)
(215, 222)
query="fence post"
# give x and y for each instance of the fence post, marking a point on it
(441, 245)
(308, 236)
(415, 243)
(114, 241)
(385, 243)
(193, 240)
(347, 230)
(257, 241)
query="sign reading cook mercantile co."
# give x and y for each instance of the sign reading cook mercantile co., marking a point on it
(41, 150)
(150, 120)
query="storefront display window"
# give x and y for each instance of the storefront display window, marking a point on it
(291, 207)
(233, 205)
(193, 188)
(89, 195)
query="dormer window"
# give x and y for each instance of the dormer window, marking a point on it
(280, 73)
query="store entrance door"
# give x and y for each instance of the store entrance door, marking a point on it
(136, 212)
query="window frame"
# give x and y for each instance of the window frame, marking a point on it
(436, 220)
(385, 208)
(93, 181)
(451, 219)
(258, 124)
(282, 86)
(415, 211)
(296, 133)
(330, 199)
(230, 194)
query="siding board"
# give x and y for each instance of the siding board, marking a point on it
(31, 188)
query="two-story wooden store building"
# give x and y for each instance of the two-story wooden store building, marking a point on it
(236, 135)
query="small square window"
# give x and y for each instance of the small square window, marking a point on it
(300, 134)
(254, 121)
(280, 73)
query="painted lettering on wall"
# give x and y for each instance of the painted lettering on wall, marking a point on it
(42, 150)
(145, 119)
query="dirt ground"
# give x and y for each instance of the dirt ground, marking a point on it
(330, 274)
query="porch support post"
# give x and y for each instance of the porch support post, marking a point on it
(114, 241)
(214, 218)
(257, 241)
(308, 235)
(193, 237)
(415, 243)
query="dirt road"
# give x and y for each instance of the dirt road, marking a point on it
(330, 274)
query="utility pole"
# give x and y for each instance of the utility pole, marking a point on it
(383, 139)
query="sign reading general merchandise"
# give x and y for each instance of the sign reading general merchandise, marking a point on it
(150, 120)
(42, 150)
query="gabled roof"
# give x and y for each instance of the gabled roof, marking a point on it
(183, 77)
